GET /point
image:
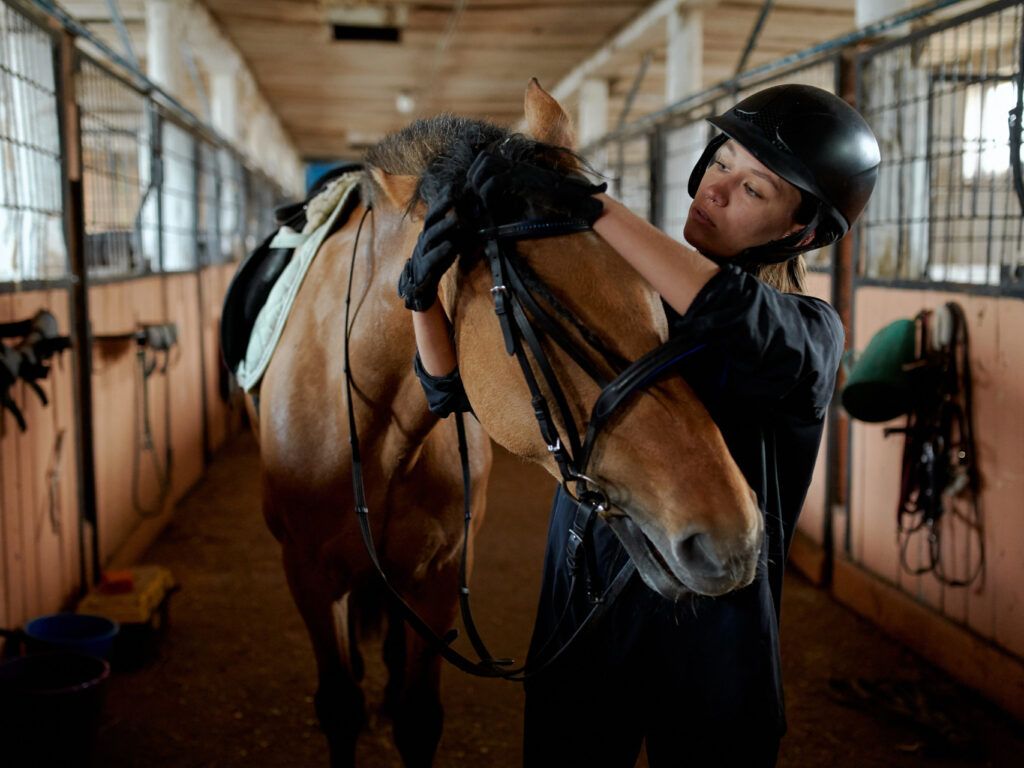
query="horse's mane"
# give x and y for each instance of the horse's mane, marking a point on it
(439, 150)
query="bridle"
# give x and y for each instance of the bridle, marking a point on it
(523, 321)
(513, 299)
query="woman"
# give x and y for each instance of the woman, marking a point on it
(699, 681)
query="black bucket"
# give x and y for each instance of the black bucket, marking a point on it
(50, 708)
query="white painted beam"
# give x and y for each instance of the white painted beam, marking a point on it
(593, 113)
(684, 73)
(164, 31)
(867, 12)
(224, 103)
(655, 14)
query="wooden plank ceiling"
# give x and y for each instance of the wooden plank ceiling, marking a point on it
(473, 57)
(336, 97)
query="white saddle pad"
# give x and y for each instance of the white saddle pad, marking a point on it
(272, 318)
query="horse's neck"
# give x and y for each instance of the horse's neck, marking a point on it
(592, 282)
(381, 340)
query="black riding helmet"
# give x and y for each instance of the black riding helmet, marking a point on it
(815, 141)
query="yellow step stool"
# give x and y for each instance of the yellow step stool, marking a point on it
(152, 585)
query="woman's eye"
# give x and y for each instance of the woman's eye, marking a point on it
(751, 191)
(720, 165)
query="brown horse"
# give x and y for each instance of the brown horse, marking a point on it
(662, 460)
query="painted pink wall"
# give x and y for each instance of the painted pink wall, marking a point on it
(992, 607)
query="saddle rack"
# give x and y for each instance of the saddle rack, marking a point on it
(27, 360)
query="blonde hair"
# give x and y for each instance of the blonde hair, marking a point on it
(787, 277)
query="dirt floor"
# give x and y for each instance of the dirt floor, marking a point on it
(233, 678)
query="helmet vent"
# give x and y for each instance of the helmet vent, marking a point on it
(768, 121)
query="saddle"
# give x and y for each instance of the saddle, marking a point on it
(260, 270)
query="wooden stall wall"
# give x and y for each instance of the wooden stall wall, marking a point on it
(39, 536)
(992, 608)
(132, 500)
(40, 563)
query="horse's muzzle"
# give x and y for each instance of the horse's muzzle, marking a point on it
(691, 563)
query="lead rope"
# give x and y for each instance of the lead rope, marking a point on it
(439, 644)
(467, 615)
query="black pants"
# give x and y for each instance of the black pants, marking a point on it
(600, 719)
(696, 680)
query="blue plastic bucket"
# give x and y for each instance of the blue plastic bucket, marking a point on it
(80, 632)
(50, 708)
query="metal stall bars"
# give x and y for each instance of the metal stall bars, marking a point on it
(261, 197)
(119, 175)
(178, 196)
(945, 212)
(232, 203)
(633, 167)
(208, 203)
(624, 162)
(683, 139)
(32, 247)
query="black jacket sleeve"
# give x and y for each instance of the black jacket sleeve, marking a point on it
(777, 346)
(445, 394)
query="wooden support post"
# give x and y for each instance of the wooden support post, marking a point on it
(838, 450)
(81, 351)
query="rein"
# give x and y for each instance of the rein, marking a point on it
(512, 301)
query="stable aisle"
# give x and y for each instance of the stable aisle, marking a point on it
(234, 678)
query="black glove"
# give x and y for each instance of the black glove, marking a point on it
(436, 249)
(509, 190)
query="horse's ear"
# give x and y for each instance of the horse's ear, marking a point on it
(399, 189)
(546, 119)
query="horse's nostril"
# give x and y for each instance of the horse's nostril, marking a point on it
(697, 553)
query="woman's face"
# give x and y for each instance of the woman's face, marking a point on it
(739, 204)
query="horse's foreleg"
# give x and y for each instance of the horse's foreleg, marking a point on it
(340, 704)
(415, 676)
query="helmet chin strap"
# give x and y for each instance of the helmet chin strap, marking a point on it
(778, 251)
